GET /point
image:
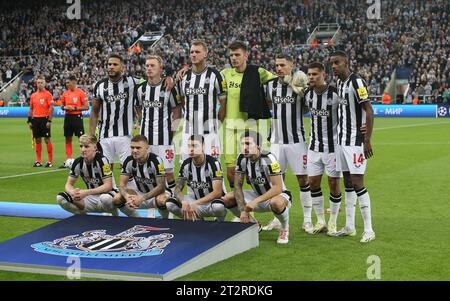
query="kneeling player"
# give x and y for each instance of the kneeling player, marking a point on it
(204, 178)
(148, 188)
(269, 192)
(95, 171)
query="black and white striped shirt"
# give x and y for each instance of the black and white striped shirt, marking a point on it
(157, 105)
(288, 109)
(324, 119)
(259, 172)
(200, 178)
(144, 174)
(201, 94)
(117, 104)
(352, 93)
(92, 173)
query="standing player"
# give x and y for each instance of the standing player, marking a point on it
(205, 185)
(148, 188)
(287, 134)
(74, 101)
(322, 101)
(159, 110)
(114, 99)
(354, 147)
(201, 91)
(269, 192)
(234, 118)
(40, 120)
(96, 173)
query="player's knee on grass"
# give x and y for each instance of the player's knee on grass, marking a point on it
(174, 206)
(64, 200)
(218, 209)
(277, 204)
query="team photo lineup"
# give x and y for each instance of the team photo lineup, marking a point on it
(208, 98)
(227, 112)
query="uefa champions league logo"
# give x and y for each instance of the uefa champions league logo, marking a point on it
(442, 111)
(98, 244)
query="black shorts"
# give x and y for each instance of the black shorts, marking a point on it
(73, 125)
(40, 129)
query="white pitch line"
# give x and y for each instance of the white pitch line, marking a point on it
(31, 174)
(410, 125)
(412, 143)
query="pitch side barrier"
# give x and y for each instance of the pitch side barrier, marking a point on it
(426, 110)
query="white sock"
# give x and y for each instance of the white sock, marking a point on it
(305, 200)
(335, 204)
(350, 202)
(317, 201)
(364, 204)
(283, 218)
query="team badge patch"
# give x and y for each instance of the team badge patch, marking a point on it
(275, 167)
(98, 244)
(161, 168)
(107, 169)
(218, 173)
(362, 93)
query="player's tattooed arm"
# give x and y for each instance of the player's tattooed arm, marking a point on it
(123, 184)
(238, 193)
(178, 192)
(160, 187)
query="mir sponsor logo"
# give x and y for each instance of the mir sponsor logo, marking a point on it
(282, 100)
(321, 112)
(115, 98)
(195, 91)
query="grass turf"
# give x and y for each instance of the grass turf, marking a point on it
(407, 180)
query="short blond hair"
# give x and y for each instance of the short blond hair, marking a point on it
(88, 139)
(155, 57)
(200, 43)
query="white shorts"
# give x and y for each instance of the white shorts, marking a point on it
(202, 210)
(212, 146)
(319, 162)
(113, 146)
(92, 203)
(296, 155)
(250, 195)
(146, 204)
(166, 153)
(351, 158)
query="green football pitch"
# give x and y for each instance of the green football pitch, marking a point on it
(408, 181)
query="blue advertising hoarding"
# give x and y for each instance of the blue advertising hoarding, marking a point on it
(23, 112)
(404, 110)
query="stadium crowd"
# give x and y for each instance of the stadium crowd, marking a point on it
(410, 34)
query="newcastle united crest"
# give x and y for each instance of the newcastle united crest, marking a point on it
(98, 244)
